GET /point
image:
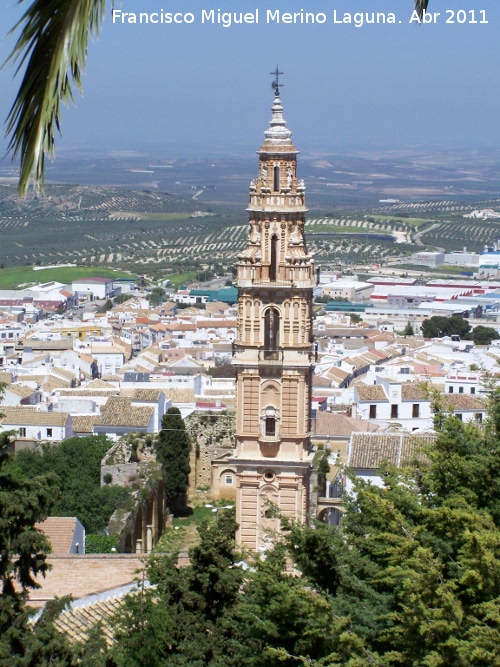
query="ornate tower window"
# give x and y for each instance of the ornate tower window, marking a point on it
(276, 179)
(275, 249)
(270, 423)
(271, 333)
(270, 426)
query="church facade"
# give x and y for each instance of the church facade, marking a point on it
(273, 352)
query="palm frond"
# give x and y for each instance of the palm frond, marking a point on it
(421, 7)
(53, 48)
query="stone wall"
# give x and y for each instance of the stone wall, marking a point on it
(210, 435)
(120, 473)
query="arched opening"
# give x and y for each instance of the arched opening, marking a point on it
(271, 333)
(273, 269)
(276, 179)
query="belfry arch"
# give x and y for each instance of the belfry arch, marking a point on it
(275, 258)
(271, 332)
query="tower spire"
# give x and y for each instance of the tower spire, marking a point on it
(276, 85)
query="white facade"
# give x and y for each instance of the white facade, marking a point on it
(93, 288)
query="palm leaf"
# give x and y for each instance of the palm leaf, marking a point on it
(421, 7)
(53, 48)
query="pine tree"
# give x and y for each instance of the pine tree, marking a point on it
(172, 451)
(23, 502)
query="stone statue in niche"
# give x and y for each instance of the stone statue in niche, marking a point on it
(295, 236)
(289, 176)
(255, 233)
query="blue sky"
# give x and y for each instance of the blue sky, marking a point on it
(161, 87)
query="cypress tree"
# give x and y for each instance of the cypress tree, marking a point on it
(172, 451)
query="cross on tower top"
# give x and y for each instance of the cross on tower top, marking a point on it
(276, 83)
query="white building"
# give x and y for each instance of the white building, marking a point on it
(93, 288)
(35, 426)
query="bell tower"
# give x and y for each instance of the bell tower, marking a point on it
(273, 353)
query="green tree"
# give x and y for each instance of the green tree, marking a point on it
(438, 326)
(107, 306)
(323, 470)
(121, 298)
(482, 335)
(77, 464)
(184, 619)
(172, 451)
(24, 501)
(408, 330)
(157, 296)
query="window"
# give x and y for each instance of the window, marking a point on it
(271, 333)
(270, 427)
(460, 390)
(478, 417)
(49, 433)
(450, 390)
(472, 390)
(394, 411)
(229, 479)
(415, 411)
(22, 432)
(273, 268)
(458, 415)
(373, 412)
(276, 181)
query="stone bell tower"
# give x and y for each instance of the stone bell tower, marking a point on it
(273, 353)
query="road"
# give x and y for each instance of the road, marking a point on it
(418, 236)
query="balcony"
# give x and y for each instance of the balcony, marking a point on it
(269, 439)
(309, 283)
(271, 357)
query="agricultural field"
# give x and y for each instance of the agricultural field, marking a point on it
(455, 235)
(351, 240)
(115, 228)
(19, 276)
(158, 234)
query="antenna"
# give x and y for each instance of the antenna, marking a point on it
(276, 85)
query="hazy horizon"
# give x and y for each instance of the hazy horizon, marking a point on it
(205, 88)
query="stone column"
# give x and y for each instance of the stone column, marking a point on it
(149, 538)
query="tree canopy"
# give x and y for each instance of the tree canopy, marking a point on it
(410, 578)
(76, 463)
(438, 326)
(482, 335)
(24, 501)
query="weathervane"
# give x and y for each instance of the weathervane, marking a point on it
(276, 83)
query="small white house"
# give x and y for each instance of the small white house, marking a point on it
(33, 426)
(368, 451)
